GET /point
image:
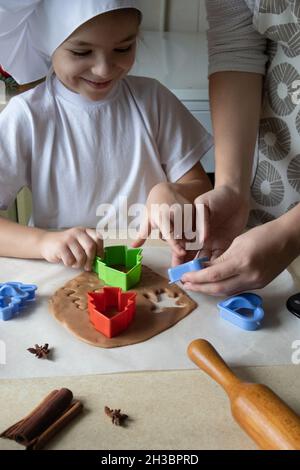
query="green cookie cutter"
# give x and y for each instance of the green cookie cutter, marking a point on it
(130, 258)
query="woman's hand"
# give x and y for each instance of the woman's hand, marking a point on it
(225, 214)
(75, 247)
(253, 260)
(226, 217)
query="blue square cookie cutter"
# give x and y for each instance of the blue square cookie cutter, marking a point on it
(175, 274)
(13, 297)
(244, 310)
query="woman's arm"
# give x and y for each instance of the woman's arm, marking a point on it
(235, 106)
(290, 226)
(236, 67)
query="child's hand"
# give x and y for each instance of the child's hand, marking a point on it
(75, 247)
(253, 260)
(159, 215)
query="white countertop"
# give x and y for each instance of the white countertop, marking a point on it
(178, 60)
(179, 409)
(238, 347)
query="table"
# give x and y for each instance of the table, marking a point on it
(168, 409)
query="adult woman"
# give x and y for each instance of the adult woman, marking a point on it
(254, 48)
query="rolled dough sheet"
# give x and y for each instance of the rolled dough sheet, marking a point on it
(69, 306)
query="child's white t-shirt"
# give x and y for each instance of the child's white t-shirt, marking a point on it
(75, 154)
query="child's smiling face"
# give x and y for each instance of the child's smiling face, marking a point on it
(98, 54)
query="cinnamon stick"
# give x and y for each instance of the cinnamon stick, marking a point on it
(70, 413)
(12, 430)
(45, 420)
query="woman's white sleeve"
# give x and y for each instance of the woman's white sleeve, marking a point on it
(233, 42)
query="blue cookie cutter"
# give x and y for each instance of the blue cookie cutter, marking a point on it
(244, 310)
(175, 274)
(13, 297)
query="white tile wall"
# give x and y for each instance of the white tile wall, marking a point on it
(161, 54)
(182, 15)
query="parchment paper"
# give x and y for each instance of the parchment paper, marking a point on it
(269, 346)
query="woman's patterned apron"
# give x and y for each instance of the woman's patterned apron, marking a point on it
(276, 185)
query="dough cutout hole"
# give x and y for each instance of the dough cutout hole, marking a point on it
(161, 299)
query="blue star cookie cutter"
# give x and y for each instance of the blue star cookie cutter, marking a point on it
(243, 310)
(175, 274)
(13, 297)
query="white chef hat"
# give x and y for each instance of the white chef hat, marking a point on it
(31, 30)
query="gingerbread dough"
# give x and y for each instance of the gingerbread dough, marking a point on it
(69, 306)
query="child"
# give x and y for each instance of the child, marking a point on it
(89, 134)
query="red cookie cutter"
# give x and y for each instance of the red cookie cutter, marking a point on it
(100, 305)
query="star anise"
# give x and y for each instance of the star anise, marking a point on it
(116, 416)
(40, 351)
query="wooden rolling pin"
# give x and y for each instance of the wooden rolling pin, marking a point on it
(257, 409)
